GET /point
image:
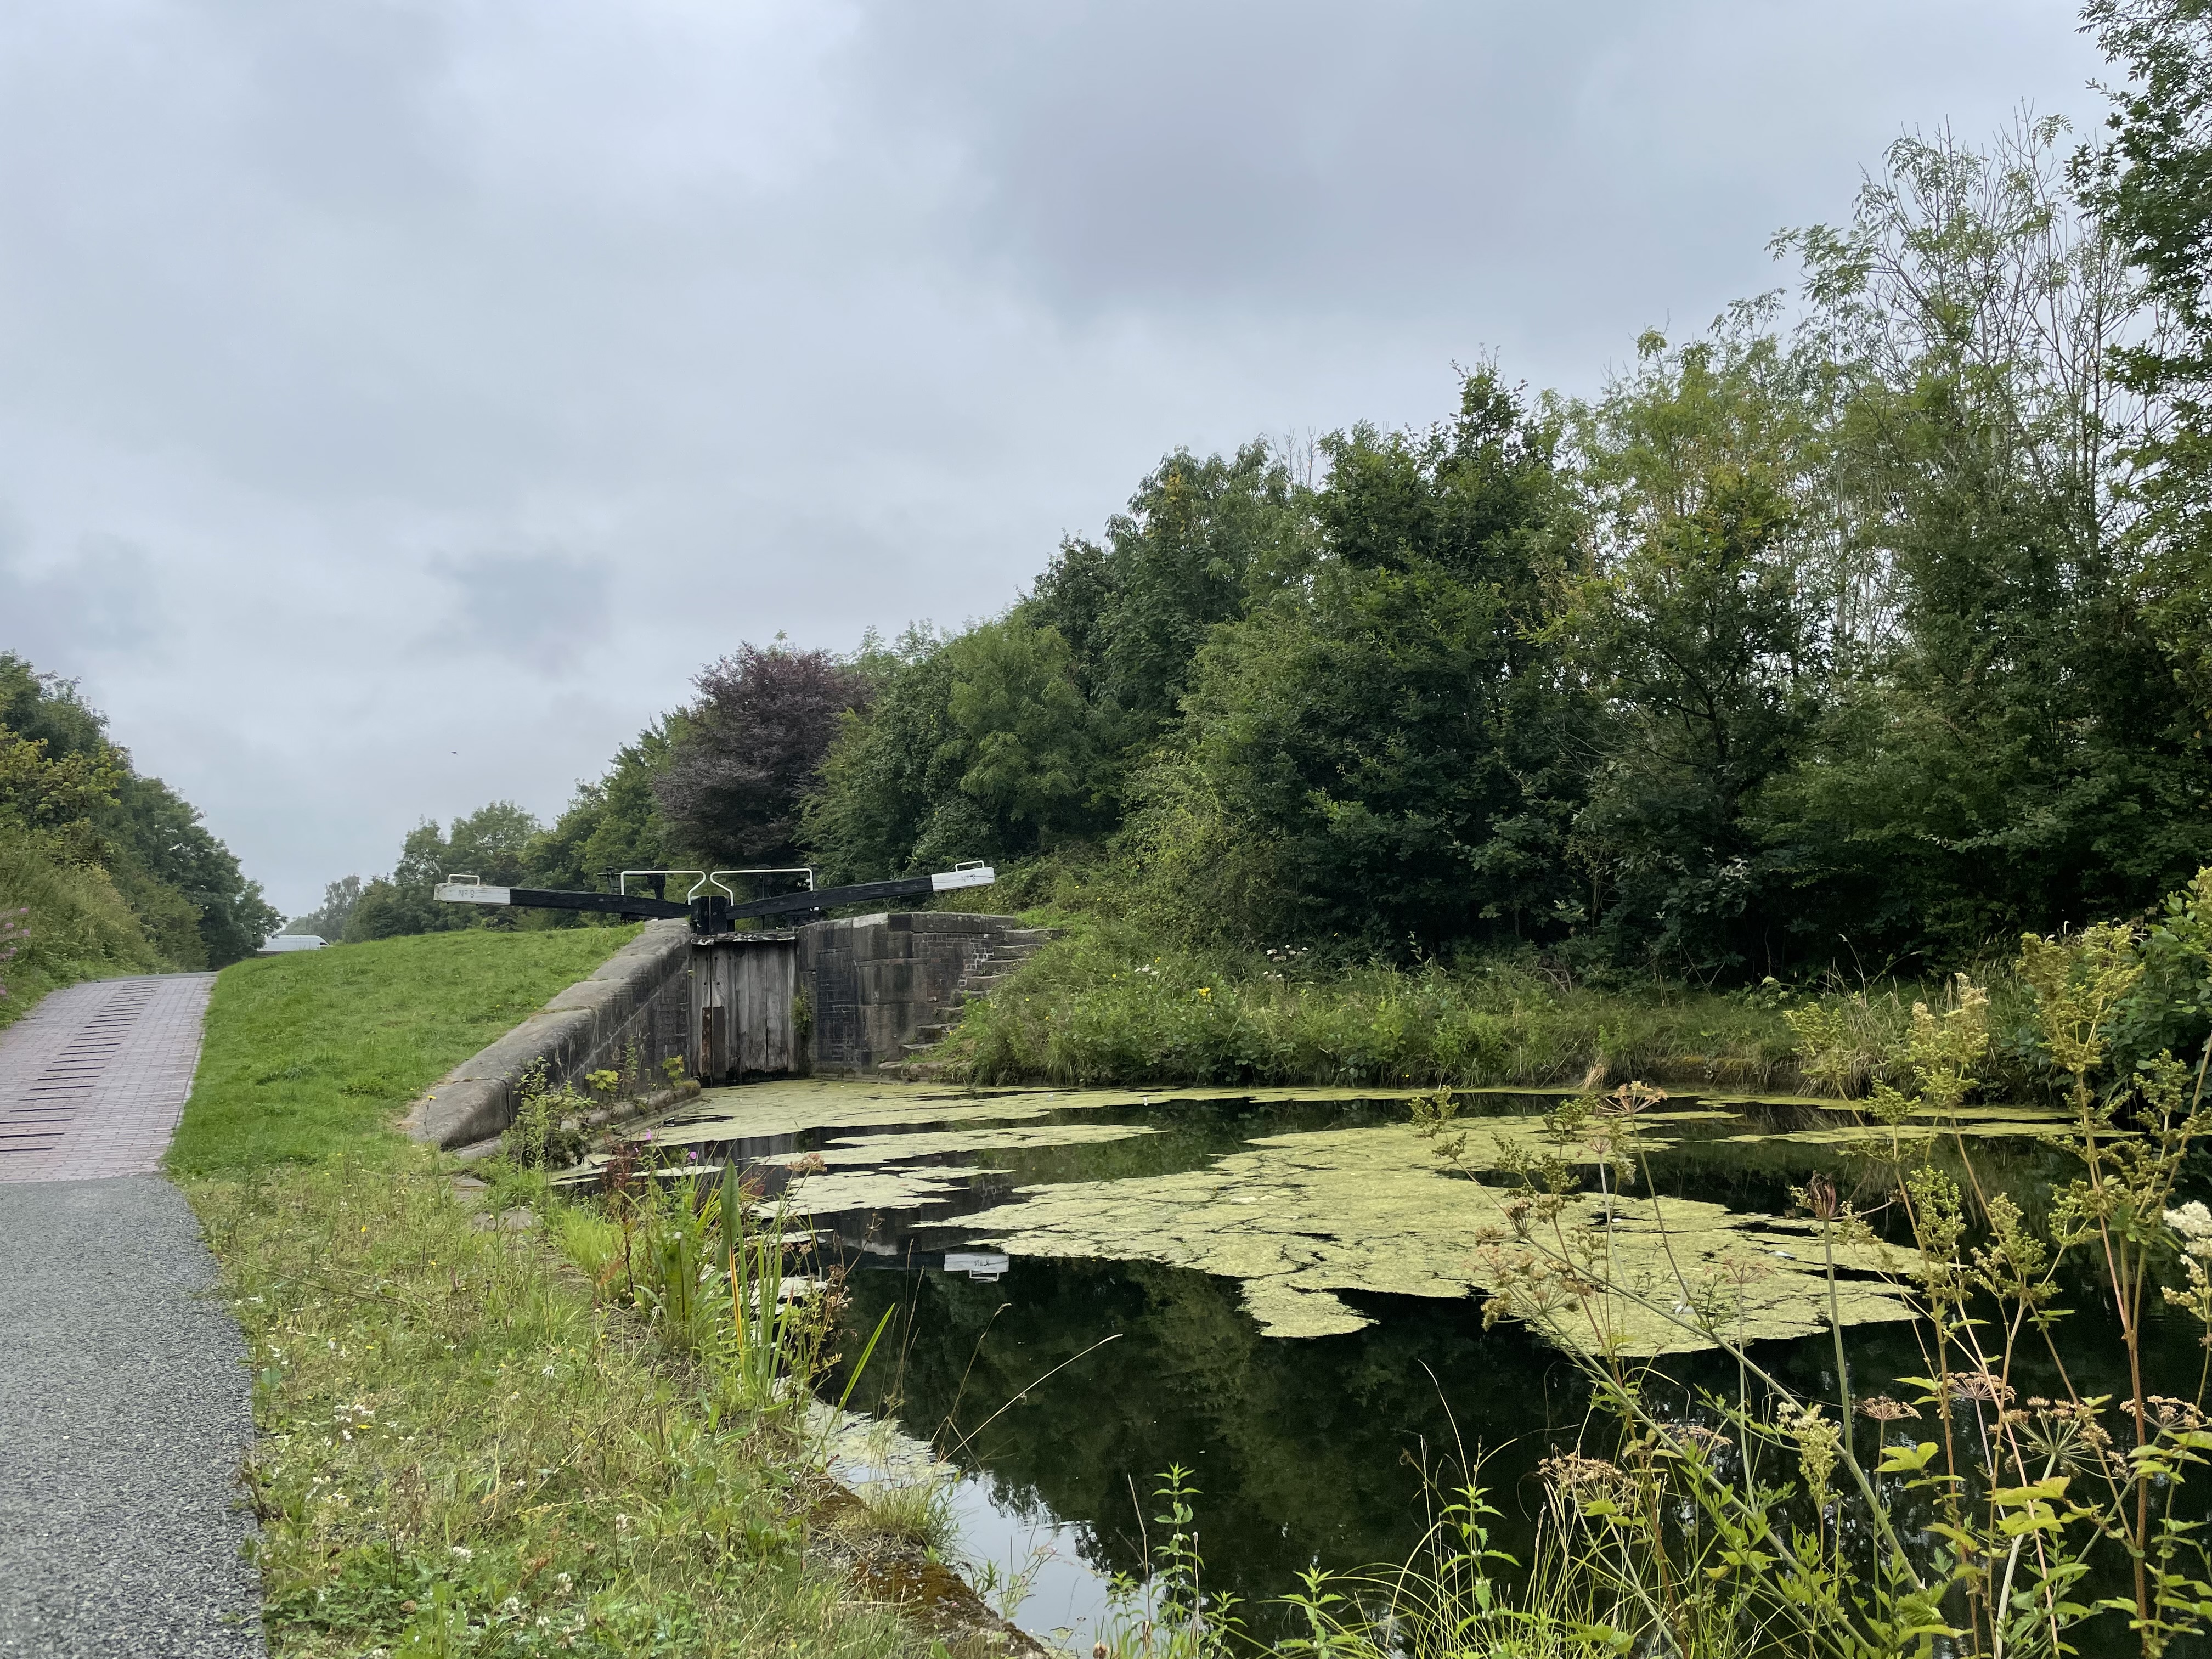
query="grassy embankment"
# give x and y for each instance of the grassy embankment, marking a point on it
(463, 1449)
(77, 927)
(1106, 1005)
(309, 1056)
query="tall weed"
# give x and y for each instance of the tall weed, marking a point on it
(74, 924)
(1107, 1006)
(1969, 1518)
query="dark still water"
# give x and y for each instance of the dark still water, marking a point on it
(1062, 1387)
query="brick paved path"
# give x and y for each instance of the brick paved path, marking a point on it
(94, 1080)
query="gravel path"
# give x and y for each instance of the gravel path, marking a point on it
(125, 1403)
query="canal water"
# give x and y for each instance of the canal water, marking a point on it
(1075, 1304)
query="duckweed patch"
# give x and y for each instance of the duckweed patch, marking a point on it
(1302, 1218)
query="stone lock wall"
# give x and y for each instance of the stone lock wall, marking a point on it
(641, 995)
(873, 982)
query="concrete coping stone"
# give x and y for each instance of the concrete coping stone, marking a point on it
(926, 922)
(476, 1099)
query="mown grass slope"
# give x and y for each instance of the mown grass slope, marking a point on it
(309, 1056)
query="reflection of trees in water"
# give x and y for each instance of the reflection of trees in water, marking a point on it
(1302, 1450)
(1305, 1450)
(1309, 1451)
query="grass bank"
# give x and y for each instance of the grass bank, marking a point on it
(310, 1055)
(1107, 1005)
(74, 926)
(461, 1451)
(464, 1445)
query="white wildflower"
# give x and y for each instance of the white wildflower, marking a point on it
(461, 1551)
(2193, 1222)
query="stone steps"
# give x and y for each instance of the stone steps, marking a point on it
(991, 968)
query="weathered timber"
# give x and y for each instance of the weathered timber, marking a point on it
(743, 987)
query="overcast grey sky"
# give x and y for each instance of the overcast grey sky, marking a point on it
(398, 401)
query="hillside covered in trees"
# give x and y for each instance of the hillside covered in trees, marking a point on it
(1865, 628)
(103, 869)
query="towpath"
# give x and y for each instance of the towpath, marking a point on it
(124, 1404)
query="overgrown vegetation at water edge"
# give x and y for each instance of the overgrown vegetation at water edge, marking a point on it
(2006, 1504)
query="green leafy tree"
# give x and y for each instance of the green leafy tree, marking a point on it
(888, 796)
(1020, 734)
(2010, 749)
(1700, 633)
(1199, 538)
(1383, 751)
(56, 796)
(328, 920)
(613, 824)
(492, 843)
(1026, 738)
(2151, 185)
(163, 850)
(977, 745)
(185, 885)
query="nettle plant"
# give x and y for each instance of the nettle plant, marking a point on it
(1971, 1516)
(547, 1132)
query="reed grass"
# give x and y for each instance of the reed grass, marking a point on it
(1107, 1005)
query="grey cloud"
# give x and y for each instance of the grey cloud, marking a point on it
(548, 611)
(490, 366)
(99, 601)
(1316, 158)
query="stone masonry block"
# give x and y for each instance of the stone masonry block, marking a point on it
(627, 999)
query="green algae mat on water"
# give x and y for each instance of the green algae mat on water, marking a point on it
(793, 1106)
(1299, 1219)
(1303, 1217)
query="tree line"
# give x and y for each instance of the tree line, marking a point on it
(114, 869)
(1868, 626)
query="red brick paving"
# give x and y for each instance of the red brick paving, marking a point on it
(94, 1080)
